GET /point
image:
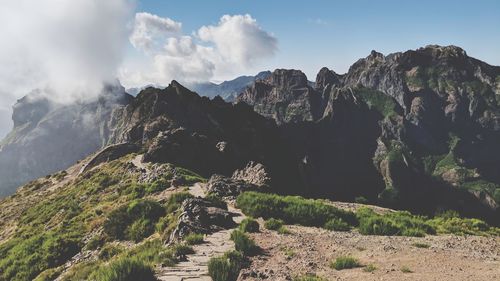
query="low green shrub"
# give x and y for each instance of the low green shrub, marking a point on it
(249, 225)
(345, 262)
(406, 269)
(109, 251)
(243, 243)
(396, 223)
(227, 267)
(181, 250)
(175, 201)
(24, 259)
(420, 245)
(361, 200)
(125, 269)
(370, 268)
(95, 243)
(194, 239)
(273, 224)
(284, 230)
(49, 274)
(291, 209)
(461, 226)
(336, 225)
(216, 201)
(139, 230)
(133, 221)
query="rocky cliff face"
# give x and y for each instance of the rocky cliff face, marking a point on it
(48, 137)
(395, 128)
(208, 136)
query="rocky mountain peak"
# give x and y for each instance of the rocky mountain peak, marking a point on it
(288, 79)
(327, 77)
(30, 109)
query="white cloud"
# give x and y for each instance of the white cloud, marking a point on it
(239, 40)
(67, 46)
(233, 45)
(148, 29)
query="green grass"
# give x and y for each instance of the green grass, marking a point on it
(133, 221)
(243, 243)
(361, 200)
(421, 245)
(345, 262)
(406, 269)
(382, 103)
(249, 225)
(194, 239)
(52, 230)
(291, 209)
(336, 225)
(284, 230)
(216, 201)
(109, 251)
(462, 226)
(125, 269)
(273, 224)
(182, 250)
(370, 268)
(395, 223)
(288, 252)
(227, 267)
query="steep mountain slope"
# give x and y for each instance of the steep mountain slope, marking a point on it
(48, 137)
(208, 136)
(394, 129)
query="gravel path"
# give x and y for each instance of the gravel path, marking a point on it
(216, 244)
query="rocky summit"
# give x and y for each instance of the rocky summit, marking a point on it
(169, 185)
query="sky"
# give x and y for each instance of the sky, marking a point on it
(68, 48)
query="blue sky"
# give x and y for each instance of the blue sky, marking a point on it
(317, 33)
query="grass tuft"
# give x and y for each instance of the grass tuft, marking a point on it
(345, 262)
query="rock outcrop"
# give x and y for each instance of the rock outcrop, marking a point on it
(198, 215)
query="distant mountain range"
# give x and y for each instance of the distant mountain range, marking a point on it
(228, 90)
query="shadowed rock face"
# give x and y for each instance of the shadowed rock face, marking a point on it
(208, 136)
(48, 137)
(395, 129)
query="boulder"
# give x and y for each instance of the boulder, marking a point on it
(200, 216)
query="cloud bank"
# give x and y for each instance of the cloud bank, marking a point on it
(233, 45)
(67, 46)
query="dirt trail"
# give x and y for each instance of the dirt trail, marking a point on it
(196, 266)
(310, 250)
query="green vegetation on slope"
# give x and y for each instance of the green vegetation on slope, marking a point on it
(307, 212)
(378, 101)
(291, 209)
(58, 226)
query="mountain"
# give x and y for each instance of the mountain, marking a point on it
(49, 137)
(166, 185)
(394, 129)
(227, 89)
